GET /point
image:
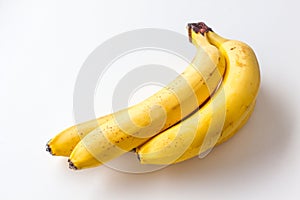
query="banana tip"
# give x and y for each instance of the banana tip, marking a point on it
(138, 156)
(48, 148)
(71, 165)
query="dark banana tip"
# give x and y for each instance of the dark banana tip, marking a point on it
(199, 27)
(48, 148)
(71, 165)
(138, 156)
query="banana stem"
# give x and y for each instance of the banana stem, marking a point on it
(199, 27)
(202, 28)
(193, 31)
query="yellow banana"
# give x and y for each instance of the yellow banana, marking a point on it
(228, 132)
(133, 126)
(230, 104)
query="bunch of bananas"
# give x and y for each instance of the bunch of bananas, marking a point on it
(203, 107)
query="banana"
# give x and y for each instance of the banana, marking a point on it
(134, 126)
(228, 132)
(220, 117)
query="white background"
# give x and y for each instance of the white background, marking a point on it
(42, 47)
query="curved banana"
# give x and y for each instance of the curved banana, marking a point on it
(134, 126)
(229, 106)
(228, 132)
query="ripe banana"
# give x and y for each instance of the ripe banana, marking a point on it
(134, 126)
(231, 104)
(228, 132)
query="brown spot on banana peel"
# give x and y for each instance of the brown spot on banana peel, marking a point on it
(246, 107)
(239, 64)
(211, 73)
